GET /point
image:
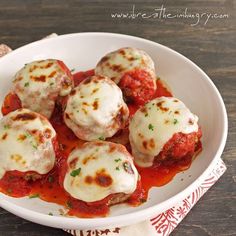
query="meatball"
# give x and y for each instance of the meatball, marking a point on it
(39, 84)
(133, 70)
(27, 144)
(165, 129)
(98, 170)
(137, 87)
(95, 109)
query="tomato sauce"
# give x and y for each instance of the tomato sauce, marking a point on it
(11, 103)
(14, 184)
(162, 173)
(49, 188)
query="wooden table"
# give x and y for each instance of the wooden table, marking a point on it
(212, 46)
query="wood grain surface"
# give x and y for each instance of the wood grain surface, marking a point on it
(212, 46)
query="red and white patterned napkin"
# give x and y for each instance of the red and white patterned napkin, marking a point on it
(162, 224)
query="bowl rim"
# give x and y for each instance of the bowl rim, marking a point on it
(119, 220)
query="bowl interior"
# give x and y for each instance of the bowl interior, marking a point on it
(188, 83)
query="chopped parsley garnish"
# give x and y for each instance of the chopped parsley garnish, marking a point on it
(151, 127)
(117, 168)
(28, 135)
(175, 121)
(6, 126)
(34, 146)
(50, 213)
(72, 70)
(34, 195)
(146, 114)
(75, 172)
(101, 138)
(136, 57)
(51, 84)
(50, 179)
(26, 84)
(116, 160)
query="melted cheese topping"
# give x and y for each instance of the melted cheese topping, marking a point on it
(26, 143)
(115, 64)
(95, 109)
(99, 169)
(154, 124)
(39, 83)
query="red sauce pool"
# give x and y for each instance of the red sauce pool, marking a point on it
(49, 189)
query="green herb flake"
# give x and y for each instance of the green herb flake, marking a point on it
(50, 214)
(51, 84)
(34, 196)
(116, 160)
(26, 84)
(34, 146)
(146, 114)
(136, 57)
(6, 126)
(72, 70)
(175, 121)
(117, 168)
(151, 127)
(50, 179)
(28, 135)
(75, 172)
(101, 138)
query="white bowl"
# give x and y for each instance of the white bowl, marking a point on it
(188, 83)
